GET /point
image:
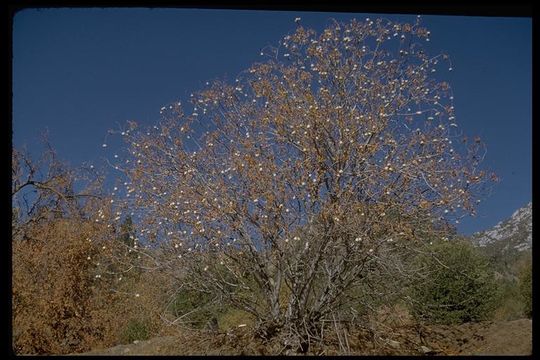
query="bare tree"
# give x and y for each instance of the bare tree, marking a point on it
(45, 188)
(318, 171)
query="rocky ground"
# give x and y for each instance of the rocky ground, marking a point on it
(484, 338)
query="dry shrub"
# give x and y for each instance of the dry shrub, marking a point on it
(62, 300)
(308, 176)
(67, 298)
(144, 299)
(59, 305)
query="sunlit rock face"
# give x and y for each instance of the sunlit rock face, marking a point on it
(510, 235)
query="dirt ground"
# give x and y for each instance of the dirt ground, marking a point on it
(484, 338)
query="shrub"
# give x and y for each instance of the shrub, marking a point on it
(136, 329)
(195, 308)
(300, 176)
(457, 285)
(61, 295)
(59, 306)
(510, 304)
(525, 289)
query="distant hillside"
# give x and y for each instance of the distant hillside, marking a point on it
(508, 241)
(512, 234)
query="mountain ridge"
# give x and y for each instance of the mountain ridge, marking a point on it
(511, 235)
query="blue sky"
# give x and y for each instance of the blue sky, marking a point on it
(80, 72)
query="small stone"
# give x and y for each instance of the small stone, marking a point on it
(393, 343)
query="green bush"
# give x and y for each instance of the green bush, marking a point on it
(459, 285)
(510, 302)
(136, 329)
(525, 289)
(196, 308)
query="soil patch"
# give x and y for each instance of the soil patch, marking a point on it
(483, 338)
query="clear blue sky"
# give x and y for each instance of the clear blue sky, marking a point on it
(81, 72)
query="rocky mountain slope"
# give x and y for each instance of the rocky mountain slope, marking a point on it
(508, 244)
(512, 234)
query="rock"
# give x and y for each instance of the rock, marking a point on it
(394, 344)
(426, 350)
(126, 350)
